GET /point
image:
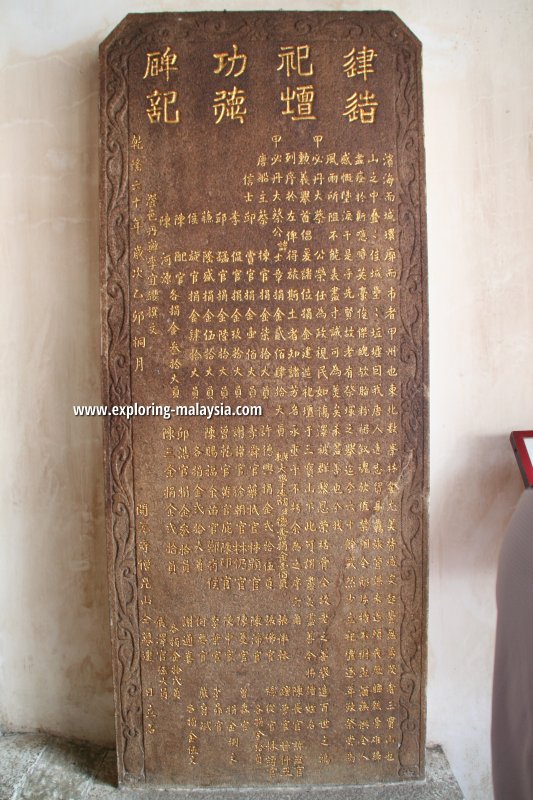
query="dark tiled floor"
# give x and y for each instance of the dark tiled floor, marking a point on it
(38, 767)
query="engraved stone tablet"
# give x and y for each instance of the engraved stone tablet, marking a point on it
(263, 248)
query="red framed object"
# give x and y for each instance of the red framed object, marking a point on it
(522, 442)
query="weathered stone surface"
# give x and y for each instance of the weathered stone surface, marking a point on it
(62, 771)
(264, 243)
(82, 772)
(18, 752)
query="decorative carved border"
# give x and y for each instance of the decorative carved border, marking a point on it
(115, 54)
(116, 358)
(414, 411)
(413, 356)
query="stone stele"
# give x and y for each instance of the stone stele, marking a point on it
(263, 249)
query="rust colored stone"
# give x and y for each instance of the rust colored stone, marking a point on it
(263, 243)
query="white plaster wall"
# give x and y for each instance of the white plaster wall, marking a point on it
(55, 669)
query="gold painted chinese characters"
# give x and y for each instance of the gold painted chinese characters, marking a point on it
(263, 279)
(296, 100)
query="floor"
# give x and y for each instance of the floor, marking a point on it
(40, 767)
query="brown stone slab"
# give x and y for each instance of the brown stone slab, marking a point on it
(263, 244)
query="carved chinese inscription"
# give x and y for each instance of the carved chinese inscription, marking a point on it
(264, 349)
